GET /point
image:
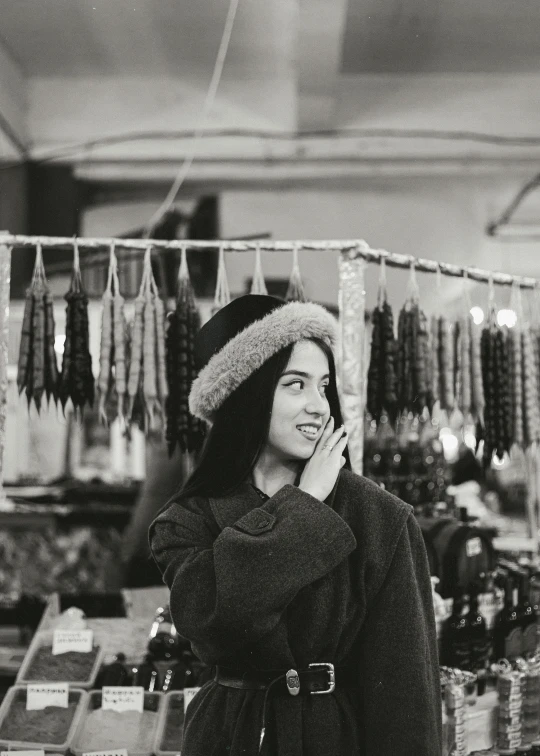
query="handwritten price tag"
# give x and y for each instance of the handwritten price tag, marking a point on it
(72, 640)
(118, 698)
(189, 695)
(46, 694)
(118, 752)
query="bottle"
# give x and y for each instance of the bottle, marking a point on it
(479, 640)
(527, 615)
(456, 645)
(163, 642)
(177, 676)
(115, 672)
(507, 633)
(147, 675)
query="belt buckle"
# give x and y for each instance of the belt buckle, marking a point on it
(332, 678)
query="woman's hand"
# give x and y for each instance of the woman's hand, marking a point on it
(322, 469)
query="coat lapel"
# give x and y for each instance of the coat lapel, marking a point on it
(229, 509)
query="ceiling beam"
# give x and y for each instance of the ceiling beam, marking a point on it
(13, 107)
(321, 32)
(334, 172)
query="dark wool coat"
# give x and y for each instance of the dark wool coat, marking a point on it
(291, 581)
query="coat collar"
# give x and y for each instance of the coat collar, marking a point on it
(230, 508)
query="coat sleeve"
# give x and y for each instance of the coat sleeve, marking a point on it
(400, 687)
(231, 590)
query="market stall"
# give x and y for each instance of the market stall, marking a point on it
(407, 383)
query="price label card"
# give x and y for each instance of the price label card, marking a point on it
(72, 640)
(119, 698)
(189, 695)
(41, 695)
(118, 752)
(474, 547)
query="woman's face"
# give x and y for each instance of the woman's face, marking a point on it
(300, 410)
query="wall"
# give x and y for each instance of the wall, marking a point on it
(442, 218)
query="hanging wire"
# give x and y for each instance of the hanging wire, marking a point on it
(199, 132)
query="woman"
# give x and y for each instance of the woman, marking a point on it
(279, 558)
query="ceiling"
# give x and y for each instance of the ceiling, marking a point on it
(84, 38)
(434, 36)
(74, 71)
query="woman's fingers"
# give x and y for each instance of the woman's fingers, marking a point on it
(341, 443)
(337, 435)
(327, 432)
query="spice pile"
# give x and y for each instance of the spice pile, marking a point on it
(50, 725)
(72, 666)
(104, 729)
(174, 725)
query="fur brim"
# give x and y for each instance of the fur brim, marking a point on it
(248, 350)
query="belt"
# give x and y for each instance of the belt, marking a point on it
(319, 679)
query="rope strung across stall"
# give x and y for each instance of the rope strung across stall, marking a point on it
(350, 249)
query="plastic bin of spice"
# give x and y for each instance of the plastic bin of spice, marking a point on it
(50, 729)
(80, 670)
(103, 730)
(171, 727)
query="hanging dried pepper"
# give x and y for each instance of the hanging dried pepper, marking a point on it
(531, 403)
(515, 357)
(37, 367)
(414, 392)
(382, 388)
(120, 347)
(183, 429)
(106, 353)
(465, 393)
(446, 365)
(497, 382)
(457, 358)
(162, 386)
(76, 378)
(477, 384)
(135, 361)
(25, 349)
(434, 363)
(38, 344)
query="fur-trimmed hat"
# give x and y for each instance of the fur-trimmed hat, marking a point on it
(242, 336)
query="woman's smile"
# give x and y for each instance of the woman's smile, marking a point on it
(309, 431)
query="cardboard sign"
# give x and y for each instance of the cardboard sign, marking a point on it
(118, 752)
(120, 698)
(189, 695)
(72, 640)
(41, 695)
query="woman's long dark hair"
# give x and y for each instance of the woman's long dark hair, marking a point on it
(240, 429)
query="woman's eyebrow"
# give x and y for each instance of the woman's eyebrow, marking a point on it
(303, 374)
